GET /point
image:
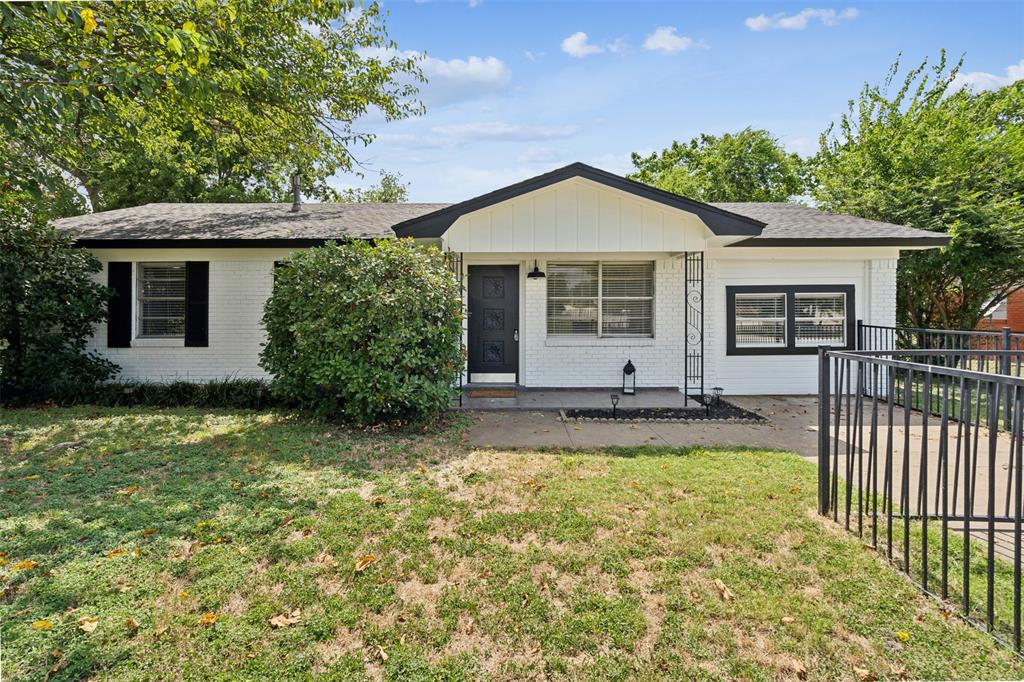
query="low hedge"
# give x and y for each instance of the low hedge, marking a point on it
(228, 393)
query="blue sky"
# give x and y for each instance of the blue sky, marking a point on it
(516, 90)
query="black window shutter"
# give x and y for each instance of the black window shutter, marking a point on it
(119, 308)
(197, 303)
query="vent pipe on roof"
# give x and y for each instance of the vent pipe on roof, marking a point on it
(296, 195)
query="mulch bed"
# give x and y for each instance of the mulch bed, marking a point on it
(722, 411)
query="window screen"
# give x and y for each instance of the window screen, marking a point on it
(760, 320)
(820, 319)
(600, 299)
(572, 299)
(161, 300)
(627, 299)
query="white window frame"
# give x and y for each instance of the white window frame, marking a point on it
(814, 343)
(776, 319)
(151, 340)
(600, 298)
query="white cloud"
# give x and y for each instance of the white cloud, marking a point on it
(578, 45)
(475, 3)
(799, 21)
(665, 39)
(981, 80)
(532, 56)
(465, 132)
(452, 80)
(617, 46)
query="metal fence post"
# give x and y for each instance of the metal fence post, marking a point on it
(824, 391)
(1004, 368)
(860, 335)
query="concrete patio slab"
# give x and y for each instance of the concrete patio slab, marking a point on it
(556, 399)
(790, 428)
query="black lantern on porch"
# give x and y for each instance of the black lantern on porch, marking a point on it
(536, 273)
(629, 379)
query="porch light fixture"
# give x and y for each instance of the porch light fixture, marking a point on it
(629, 378)
(716, 394)
(536, 273)
(615, 404)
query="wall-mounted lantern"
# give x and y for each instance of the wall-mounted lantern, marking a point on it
(629, 379)
(536, 273)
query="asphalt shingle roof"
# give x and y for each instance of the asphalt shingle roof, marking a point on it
(172, 222)
(243, 221)
(793, 221)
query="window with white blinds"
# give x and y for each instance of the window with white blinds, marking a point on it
(760, 320)
(161, 294)
(820, 319)
(600, 299)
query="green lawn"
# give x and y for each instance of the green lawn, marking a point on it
(164, 544)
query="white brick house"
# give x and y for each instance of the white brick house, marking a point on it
(567, 276)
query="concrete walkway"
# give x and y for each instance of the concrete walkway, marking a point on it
(791, 426)
(555, 399)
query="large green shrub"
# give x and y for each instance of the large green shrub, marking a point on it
(49, 304)
(365, 333)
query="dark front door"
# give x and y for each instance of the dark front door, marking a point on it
(494, 322)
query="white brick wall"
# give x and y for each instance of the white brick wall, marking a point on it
(240, 283)
(882, 283)
(594, 362)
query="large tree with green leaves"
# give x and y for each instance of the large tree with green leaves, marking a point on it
(749, 165)
(202, 99)
(931, 156)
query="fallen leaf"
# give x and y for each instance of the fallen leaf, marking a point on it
(285, 619)
(919, 617)
(160, 630)
(898, 671)
(788, 620)
(945, 613)
(26, 565)
(88, 623)
(209, 618)
(183, 595)
(365, 561)
(131, 624)
(796, 667)
(115, 552)
(147, 532)
(903, 636)
(420, 468)
(130, 490)
(264, 495)
(378, 501)
(42, 625)
(794, 490)
(723, 591)
(865, 675)
(326, 560)
(383, 654)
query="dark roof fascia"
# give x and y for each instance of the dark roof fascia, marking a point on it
(230, 243)
(842, 241)
(721, 222)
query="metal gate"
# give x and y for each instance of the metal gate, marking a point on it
(693, 339)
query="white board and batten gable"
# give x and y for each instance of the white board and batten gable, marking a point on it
(579, 216)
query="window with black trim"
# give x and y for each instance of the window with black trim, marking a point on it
(161, 294)
(778, 320)
(613, 299)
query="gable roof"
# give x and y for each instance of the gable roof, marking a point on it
(789, 224)
(720, 221)
(255, 225)
(223, 225)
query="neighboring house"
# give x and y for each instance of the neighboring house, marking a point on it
(568, 275)
(1008, 313)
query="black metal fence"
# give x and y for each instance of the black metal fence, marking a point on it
(936, 491)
